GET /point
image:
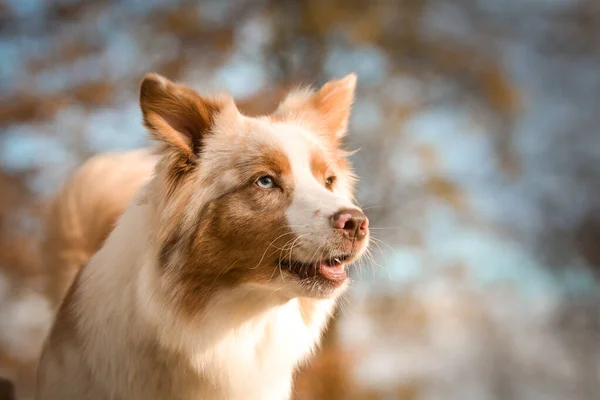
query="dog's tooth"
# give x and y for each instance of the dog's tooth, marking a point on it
(337, 260)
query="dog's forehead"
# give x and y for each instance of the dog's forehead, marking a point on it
(296, 142)
(253, 145)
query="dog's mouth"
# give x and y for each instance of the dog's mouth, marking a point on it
(332, 269)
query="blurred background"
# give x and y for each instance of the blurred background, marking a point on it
(478, 124)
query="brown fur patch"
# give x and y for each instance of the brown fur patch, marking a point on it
(319, 165)
(275, 160)
(177, 169)
(237, 236)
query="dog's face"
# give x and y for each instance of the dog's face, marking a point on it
(263, 201)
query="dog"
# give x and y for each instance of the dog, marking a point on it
(220, 276)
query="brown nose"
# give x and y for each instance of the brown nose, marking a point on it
(352, 223)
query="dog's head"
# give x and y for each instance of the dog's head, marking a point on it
(263, 201)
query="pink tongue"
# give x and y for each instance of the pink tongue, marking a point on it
(333, 273)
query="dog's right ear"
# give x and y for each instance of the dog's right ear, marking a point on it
(177, 115)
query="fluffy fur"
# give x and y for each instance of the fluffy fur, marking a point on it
(85, 211)
(220, 277)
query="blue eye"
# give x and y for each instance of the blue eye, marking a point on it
(329, 181)
(265, 182)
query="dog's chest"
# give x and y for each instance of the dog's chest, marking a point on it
(257, 359)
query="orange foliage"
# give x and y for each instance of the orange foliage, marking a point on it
(446, 190)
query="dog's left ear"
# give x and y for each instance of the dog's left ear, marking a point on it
(333, 102)
(328, 108)
(177, 115)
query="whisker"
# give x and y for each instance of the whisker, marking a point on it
(377, 240)
(269, 246)
(370, 207)
(387, 268)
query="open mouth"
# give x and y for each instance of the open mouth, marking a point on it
(332, 269)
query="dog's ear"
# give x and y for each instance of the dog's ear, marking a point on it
(328, 108)
(333, 102)
(177, 115)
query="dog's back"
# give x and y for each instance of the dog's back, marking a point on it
(84, 212)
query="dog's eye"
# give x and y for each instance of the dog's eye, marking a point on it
(265, 182)
(329, 182)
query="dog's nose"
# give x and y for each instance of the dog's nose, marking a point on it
(352, 223)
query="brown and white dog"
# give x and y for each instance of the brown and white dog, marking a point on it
(220, 277)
